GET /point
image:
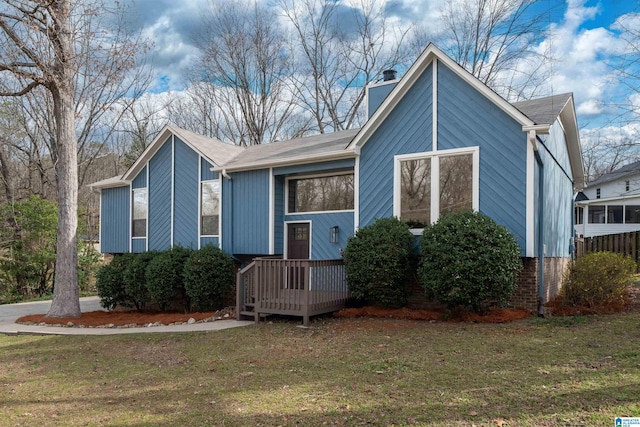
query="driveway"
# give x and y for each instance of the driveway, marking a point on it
(10, 312)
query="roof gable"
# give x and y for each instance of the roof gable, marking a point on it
(428, 56)
(216, 152)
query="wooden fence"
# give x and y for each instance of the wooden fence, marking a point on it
(623, 243)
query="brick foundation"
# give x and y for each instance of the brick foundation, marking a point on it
(526, 294)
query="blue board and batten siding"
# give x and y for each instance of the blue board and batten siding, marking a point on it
(140, 181)
(278, 217)
(321, 246)
(503, 149)
(407, 129)
(246, 212)
(558, 196)
(114, 219)
(206, 174)
(186, 187)
(160, 198)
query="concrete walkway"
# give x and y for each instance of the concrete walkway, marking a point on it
(10, 312)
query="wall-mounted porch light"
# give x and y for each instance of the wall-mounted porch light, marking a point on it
(334, 233)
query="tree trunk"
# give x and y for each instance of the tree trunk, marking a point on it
(66, 301)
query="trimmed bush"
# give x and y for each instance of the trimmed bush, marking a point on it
(597, 279)
(135, 280)
(377, 262)
(110, 282)
(164, 274)
(468, 260)
(209, 274)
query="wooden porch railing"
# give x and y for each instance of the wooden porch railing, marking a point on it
(291, 287)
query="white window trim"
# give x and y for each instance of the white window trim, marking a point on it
(133, 190)
(219, 181)
(319, 175)
(435, 178)
(286, 236)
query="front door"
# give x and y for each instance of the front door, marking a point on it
(297, 248)
(298, 240)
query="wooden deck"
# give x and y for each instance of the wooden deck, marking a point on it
(290, 287)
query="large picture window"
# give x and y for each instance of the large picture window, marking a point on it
(210, 208)
(430, 185)
(139, 222)
(324, 193)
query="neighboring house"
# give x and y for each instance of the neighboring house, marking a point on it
(436, 141)
(610, 204)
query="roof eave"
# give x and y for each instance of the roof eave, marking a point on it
(570, 123)
(292, 161)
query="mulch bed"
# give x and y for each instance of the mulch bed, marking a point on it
(117, 318)
(495, 315)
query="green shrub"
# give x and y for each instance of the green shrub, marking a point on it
(209, 274)
(468, 260)
(597, 279)
(377, 262)
(135, 280)
(110, 282)
(88, 262)
(28, 246)
(164, 274)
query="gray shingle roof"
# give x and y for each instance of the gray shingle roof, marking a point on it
(307, 148)
(543, 111)
(630, 169)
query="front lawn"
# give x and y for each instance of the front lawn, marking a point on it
(556, 372)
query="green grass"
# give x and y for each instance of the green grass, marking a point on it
(338, 372)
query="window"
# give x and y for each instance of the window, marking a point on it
(415, 191)
(614, 214)
(626, 186)
(325, 193)
(579, 215)
(452, 174)
(596, 214)
(209, 208)
(632, 214)
(597, 193)
(139, 222)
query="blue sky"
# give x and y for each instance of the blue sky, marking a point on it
(581, 36)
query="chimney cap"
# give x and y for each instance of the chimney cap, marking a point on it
(388, 75)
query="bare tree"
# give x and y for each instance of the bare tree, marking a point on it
(69, 63)
(38, 51)
(338, 50)
(493, 39)
(244, 63)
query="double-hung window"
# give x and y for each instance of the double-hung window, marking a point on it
(209, 208)
(429, 185)
(139, 215)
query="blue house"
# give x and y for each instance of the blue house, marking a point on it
(436, 141)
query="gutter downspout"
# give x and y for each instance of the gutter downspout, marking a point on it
(532, 136)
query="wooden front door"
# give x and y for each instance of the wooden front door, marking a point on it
(298, 240)
(297, 248)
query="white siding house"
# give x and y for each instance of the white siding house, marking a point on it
(610, 204)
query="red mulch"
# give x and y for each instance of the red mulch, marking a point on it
(117, 318)
(495, 315)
